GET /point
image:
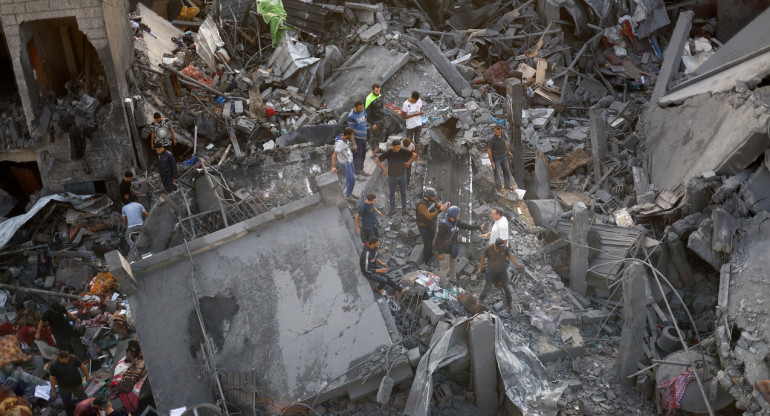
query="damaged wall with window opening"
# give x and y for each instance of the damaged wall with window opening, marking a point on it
(69, 65)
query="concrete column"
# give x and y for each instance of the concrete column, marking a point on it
(481, 337)
(672, 57)
(634, 322)
(578, 266)
(329, 186)
(121, 271)
(598, 133)
(514, 105)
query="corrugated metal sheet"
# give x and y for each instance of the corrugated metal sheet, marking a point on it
(615, 245)
(307, 17)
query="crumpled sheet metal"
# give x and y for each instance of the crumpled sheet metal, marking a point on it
(290, 56)
(524, 377)
(418, 402)
(209, 43)
(91, 204)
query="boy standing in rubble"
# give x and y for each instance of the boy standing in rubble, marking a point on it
(498, 152)
(161, 131)
(412, 112)
(368, 213)
(344, 156)
(357, 122)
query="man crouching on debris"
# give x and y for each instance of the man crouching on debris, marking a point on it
(344, 156)
(446, 245)
(369, 262)
(497, 270)
(167, 168)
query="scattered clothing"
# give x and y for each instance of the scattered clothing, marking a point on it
(673, 390)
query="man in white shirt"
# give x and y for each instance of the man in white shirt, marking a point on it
(411, 111)
(499, 228)
(132, 219)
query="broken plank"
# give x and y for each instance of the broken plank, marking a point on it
(444, 67)
(234, 141)
(673, 55)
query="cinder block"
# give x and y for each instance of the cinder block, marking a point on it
(37, 6)
(91, 23)
(414, 356)
(575, 347)
(432, 311)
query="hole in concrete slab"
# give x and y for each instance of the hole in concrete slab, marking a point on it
(217, 312)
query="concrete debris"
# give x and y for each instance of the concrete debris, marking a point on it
(633, 205)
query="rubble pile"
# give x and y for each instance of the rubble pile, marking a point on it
(641, 284)
(54, 255)
(13, 126)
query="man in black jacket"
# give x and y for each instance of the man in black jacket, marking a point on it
(375, 111)
(446, 244)
(167, 167)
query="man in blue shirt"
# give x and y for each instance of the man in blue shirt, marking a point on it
(357, 121)
(368, 213)
(132, 219)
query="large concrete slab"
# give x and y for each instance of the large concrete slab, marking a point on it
(343, 88)
(721, 132)
(750, 39)
(298, 315)
(160, 41)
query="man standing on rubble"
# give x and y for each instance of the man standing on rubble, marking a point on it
(499, 228)
(64, 373)
(411, 111)
(375, 107)
(127, 194)
(167, 168)
(66, 337)
(446, 244)
(369, 261)
(132, 219)
(497, 270)
(498, 151)
(161, 131)
(399, 160)
(357, 122)
(427, 210)
(344, 156)
(368, 213)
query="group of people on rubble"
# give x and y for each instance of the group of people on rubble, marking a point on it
(69, 369)
(366, 124)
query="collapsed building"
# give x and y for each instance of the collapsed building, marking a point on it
(640, 140)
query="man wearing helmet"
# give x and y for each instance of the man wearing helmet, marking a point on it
(427, 210)
(446, 242)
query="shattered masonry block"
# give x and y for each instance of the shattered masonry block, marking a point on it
(414, 356)
(416, 255)
(575, 346)
(372, 32)
(432, 311)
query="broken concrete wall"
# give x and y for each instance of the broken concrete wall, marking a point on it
(723, 132)
(305, 314)
(105, 26)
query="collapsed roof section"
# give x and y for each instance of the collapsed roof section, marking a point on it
(304, 325)
(717, 121)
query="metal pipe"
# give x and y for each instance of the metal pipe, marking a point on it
(39, 292)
